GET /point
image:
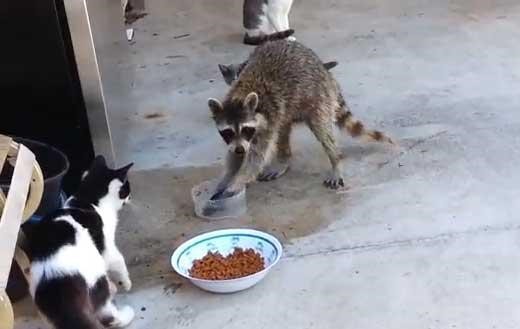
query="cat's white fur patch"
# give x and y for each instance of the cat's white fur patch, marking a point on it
(265, 26)
(107, 208)
(274, 19)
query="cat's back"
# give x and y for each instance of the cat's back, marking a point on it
(60, 245)
(60, 228)
(49, 234)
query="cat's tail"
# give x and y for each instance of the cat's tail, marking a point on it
(260, 39)
(66, 302)
(81, 320)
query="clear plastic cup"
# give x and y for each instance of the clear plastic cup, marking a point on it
(234, 206)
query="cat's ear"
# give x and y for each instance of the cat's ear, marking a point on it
(251, 102)
(225, 69)
(228, 73)
(214, 106)
(122, 173)
(330, 65)
(99, 162)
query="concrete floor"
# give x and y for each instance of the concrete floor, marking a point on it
(425, 237)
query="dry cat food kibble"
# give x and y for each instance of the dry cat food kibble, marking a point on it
(238, 264)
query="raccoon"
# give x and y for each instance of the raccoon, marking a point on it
(284, 83)
(231, 72)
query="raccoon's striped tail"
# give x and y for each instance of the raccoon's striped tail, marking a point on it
(356, 129)
(260, 39)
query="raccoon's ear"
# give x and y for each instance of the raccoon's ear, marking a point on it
(214, 106)
(251, 102)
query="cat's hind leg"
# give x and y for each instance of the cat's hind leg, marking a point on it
(106, 312)
(112, 317)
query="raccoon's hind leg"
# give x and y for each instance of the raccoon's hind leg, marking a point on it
(280, 164)
(323, 130)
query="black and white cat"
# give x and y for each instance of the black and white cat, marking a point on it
(265, 17)
(74, 257)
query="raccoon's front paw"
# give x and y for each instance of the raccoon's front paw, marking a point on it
(334, 181)
(222, 195)
(273, 171)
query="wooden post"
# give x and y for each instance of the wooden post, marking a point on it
(6, 312)
(14, 207)
(11, 220)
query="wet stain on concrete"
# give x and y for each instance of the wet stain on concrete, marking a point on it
(171, 288)
(161, 215)
(154, 115)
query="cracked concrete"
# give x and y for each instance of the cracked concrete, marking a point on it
(425, 236)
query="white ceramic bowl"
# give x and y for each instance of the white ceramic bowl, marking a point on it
(224, 241)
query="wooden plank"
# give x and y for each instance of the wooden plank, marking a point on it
(13, 210)
(6, 312)
(5, 144)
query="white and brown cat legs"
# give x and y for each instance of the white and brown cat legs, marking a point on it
(112, 317)
(265, 17)
(115, 263)
(278, 15)
(116, 266)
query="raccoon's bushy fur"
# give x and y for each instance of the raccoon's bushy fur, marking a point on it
(284, 82)
(231, 72)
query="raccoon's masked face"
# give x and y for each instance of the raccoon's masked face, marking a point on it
(237, 121)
